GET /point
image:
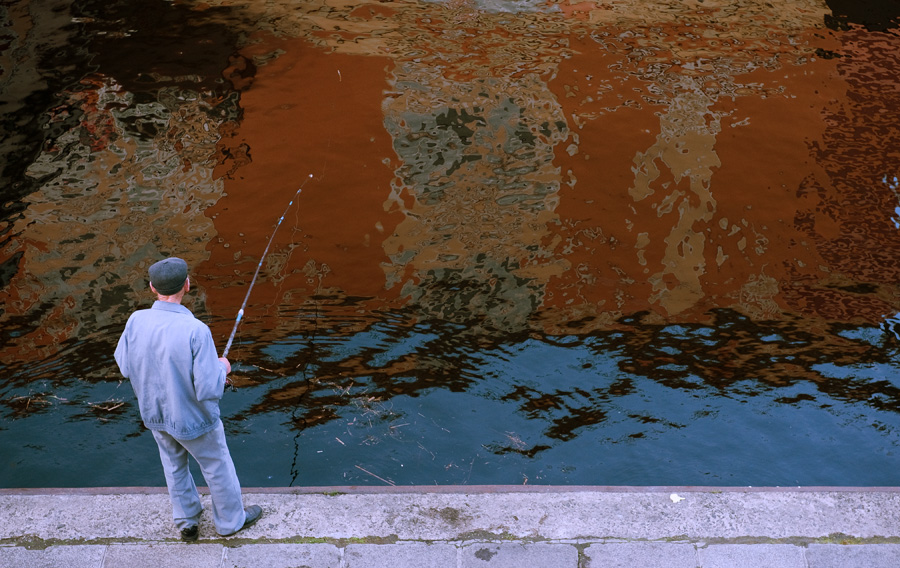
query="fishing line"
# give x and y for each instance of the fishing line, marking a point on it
(311, 336)
(240, 313)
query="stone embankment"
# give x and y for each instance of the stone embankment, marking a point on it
(465, 527)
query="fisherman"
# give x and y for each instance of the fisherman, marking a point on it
(171, 360)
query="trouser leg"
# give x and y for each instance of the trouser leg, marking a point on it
(211, 452)
(186, 507)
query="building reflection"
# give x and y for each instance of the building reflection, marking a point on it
(82, 269)
(612, 172)
(483, 173)
(636, 169)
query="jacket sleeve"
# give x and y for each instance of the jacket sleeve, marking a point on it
(209, 372)
(121, 354)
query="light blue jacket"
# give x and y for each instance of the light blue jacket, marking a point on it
(170, 358)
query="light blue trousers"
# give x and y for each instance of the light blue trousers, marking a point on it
(214, 459)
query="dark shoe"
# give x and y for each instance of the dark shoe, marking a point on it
(251, 515)
(190, 534)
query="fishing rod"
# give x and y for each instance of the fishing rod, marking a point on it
(240, 313)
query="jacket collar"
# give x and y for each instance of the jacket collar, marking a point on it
(170, 307)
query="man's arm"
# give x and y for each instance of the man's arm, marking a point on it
(209, 369)
(121, 354)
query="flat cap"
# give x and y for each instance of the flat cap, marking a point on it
(168, 275)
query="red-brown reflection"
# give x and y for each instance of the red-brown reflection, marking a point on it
(847, 210)
(596, 174)
(726, 201)
(306, 112)
(687, 180)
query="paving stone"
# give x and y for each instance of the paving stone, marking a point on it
(518, 555)
(756, 555)
(283, 556)
(419, 555)
(84, 556)
(179, 555)
(853, 555)
(641, 555)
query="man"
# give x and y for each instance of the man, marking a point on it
(171, 360)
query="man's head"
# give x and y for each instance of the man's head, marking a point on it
(168, 276)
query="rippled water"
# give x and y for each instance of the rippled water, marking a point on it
(539, 241)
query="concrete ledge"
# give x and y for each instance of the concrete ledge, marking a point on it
(459, 513)
(577, 527)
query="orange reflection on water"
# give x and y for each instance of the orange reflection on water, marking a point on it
(549, 166)
(663, 159)
(306, 114)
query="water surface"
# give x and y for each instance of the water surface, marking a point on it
(622, 243)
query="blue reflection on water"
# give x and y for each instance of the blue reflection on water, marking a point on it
(652, 435)
(564, 412)
(558, 410)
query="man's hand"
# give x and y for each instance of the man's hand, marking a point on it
(227, 364)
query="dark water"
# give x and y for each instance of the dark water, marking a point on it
(639, 243)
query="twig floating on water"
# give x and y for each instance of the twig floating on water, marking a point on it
(375, 476)
(107, 406)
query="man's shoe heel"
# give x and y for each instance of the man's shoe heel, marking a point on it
(190, 534)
